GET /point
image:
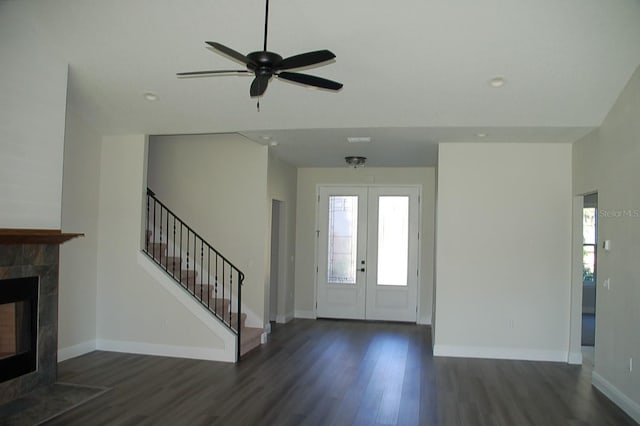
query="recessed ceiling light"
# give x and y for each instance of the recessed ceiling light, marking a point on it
(150, 96)
(497, 81)
(273, 143)
(481, 135)
(265, 137)
(359, 139)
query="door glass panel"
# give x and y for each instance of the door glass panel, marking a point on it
(589, 244)
(343, 239)
(589, 225)
(393, 240)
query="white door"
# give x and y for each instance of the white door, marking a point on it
(342, 245)
(368, 253)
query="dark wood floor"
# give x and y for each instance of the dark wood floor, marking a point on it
(336, 373)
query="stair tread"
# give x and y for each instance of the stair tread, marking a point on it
(250, 333)
(250, 339)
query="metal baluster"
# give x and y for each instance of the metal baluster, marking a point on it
(146, 234)
(154, 229)
(201, 266)
(195, 253)
(223, 284)
(231, 292)
(209, 277)
(215, 291)
(173, 248)
(161, 209)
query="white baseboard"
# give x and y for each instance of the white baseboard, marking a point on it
(76, 350)
(267, 328)
(424, 321)
(499, 353)
(283, 319)
(264, 338)
(209, 354)
(575, 358)
(626, 404)
(305, 314)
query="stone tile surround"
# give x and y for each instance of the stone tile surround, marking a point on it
(41, 260)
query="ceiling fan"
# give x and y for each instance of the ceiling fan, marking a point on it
(265, 65)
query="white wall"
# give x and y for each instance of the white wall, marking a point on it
(136, 310)
(503, 264)
(78, 257)
(282, 186)
(607, 161)
(32, 117)
(218, 185)
(309, 178)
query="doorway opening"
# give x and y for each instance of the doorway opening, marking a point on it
(589, 268)
(276, 278)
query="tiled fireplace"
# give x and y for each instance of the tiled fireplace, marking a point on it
(28, 300)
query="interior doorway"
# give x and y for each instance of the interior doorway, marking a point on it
(589, 268)
(367, 252)
(276, 276)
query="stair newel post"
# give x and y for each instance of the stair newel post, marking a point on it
(240, 281)
(154, 223)
(180, 269)
(208, 277)
(146, 226)
(231, 269)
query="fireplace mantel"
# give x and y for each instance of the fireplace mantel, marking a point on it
(35, 236)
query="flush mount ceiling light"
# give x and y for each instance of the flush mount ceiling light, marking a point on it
(355, 161)
(497, 81)
(150, 96)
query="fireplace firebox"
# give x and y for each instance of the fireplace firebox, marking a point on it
(18, 326)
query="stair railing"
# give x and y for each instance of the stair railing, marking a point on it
(185, 255)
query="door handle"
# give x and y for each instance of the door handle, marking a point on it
(361, 269)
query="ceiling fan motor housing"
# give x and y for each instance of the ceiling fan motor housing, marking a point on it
(263, 63)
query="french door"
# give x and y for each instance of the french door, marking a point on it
(367, 266)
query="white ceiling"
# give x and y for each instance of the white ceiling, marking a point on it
(415, 72)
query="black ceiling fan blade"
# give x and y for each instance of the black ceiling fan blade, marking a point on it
(310, 80)
(230, 52)
(306, 59)
(258, 86)
(196, 73)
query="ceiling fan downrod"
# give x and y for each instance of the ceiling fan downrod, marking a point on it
(266, 21)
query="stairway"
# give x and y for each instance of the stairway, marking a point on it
(218, 304)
